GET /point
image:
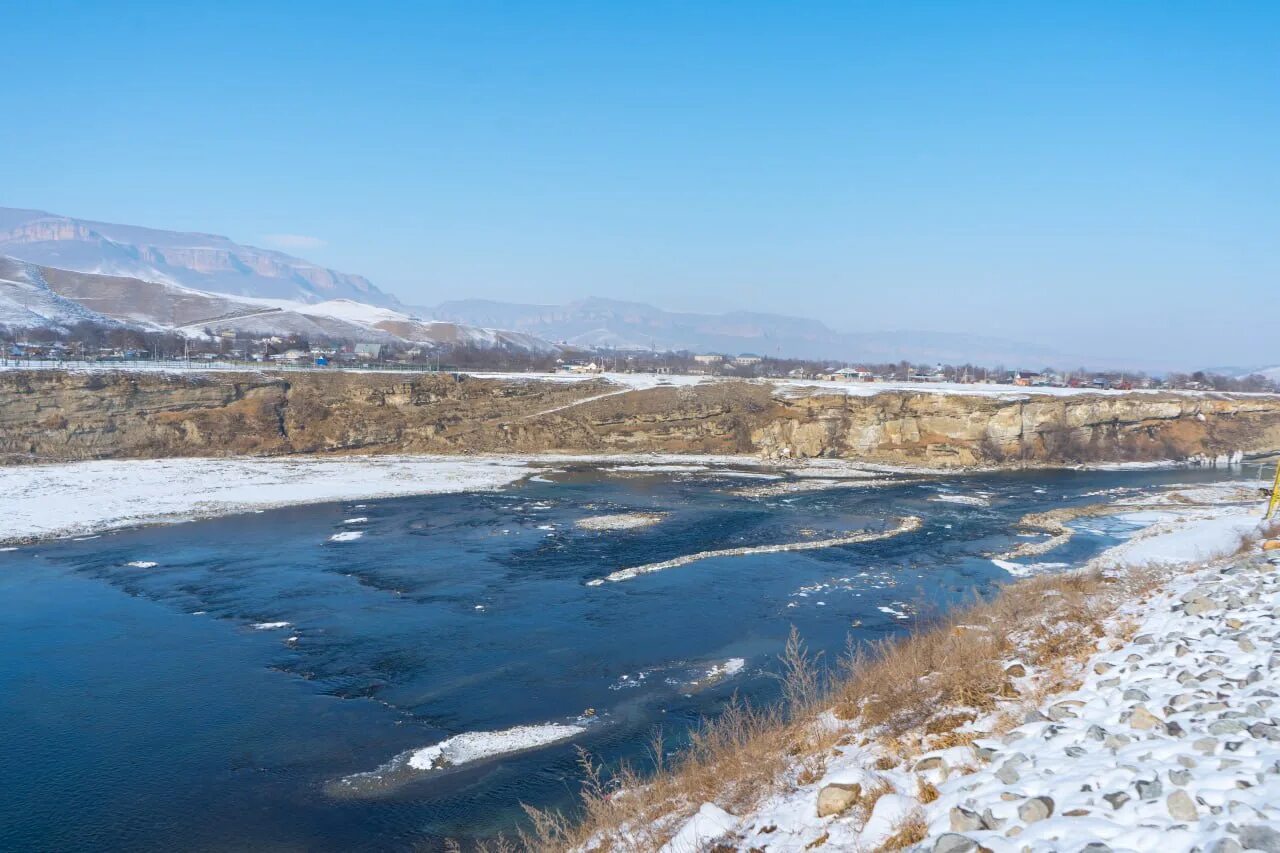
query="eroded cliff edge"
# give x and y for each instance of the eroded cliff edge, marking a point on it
(49, 416)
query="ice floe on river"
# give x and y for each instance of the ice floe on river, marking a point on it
(968, 500)
(905, 525)
(473, 746)
(457, 751)
(1024, 570)
(685, 676)
(621, 521)
(729, 668)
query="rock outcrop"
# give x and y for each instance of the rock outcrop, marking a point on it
(58, 416)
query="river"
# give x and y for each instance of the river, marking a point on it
(253, 681)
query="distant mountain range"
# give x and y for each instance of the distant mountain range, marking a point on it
(63, 270)
(33, 296)
(636, 326)
(203, 262)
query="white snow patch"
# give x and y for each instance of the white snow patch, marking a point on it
(48, 501)
(473, 746)
(621, 521)
(1183, 538)
(698, 834)
(1026, 570)
(906, 525)
(720, 671)
(969, 500)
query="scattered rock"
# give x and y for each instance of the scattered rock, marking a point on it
(953, 843)
(1181, 806)
(1207, 745)
(1148, 789)
(1199, 605)
(1265, 731)
(1117, 799)
(1008, 774)
(1259, 836)
(836, 799)
(1036, 808)
(963, 820)
(1144, 720)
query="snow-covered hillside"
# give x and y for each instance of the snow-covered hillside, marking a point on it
(32, 296)
(206, 262)
(27, 302)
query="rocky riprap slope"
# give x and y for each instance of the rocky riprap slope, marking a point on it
(1172, 743)
(1166, 738)
(59, 416)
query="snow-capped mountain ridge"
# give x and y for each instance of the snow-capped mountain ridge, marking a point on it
(45, 297)
(206, 262)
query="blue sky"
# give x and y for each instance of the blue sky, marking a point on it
(1098, 176)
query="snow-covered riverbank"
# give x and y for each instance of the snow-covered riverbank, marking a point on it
(1163, 734)
(84, 498)
(81, 498)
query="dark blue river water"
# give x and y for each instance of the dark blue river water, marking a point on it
(141, 709)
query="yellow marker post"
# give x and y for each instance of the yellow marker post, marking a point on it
(1275, 494)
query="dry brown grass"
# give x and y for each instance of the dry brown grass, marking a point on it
(913, 829)
(915, 694)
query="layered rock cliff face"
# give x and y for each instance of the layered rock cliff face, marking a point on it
(51, 416)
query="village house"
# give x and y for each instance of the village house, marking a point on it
(577, 367)
(1025, 378)
(847, 374)
(936, 375)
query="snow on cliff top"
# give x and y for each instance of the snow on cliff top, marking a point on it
(627, 381)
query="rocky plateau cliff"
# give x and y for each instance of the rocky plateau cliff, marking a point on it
(49, 416)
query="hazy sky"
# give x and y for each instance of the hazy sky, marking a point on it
(1097, 176)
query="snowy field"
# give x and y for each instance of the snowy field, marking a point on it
(81, 498)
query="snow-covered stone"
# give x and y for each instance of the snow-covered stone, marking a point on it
(836, 799)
